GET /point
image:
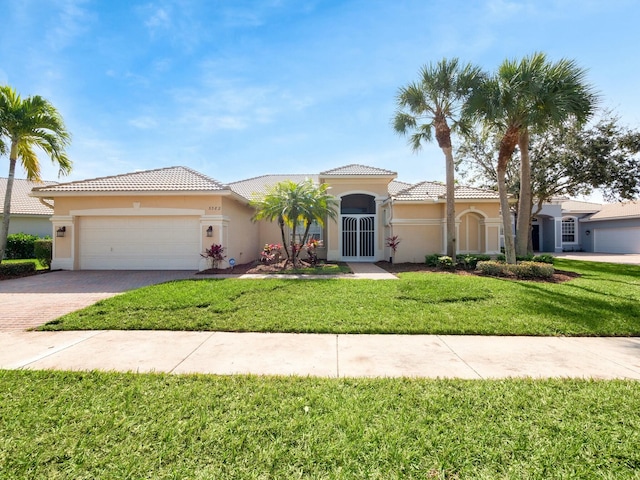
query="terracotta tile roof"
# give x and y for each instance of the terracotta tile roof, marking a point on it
(21, 202)
(355, 169)
(434, 191)
(618, 210)
(173, 179)
(577, 206)
(258, 186)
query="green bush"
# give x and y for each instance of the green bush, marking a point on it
(445, 262)
(17, 269)
(20, 245)
(432, 260)
(42, 251)
(544, 258)
(501, 258)
(523, 270)
(469, 262)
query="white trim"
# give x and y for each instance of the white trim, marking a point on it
(416, 221)
(575, 230)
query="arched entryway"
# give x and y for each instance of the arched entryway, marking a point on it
(471, 233)
(358, 222)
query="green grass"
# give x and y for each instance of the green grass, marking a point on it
(605, 301)
(111, 425)
(39, 266)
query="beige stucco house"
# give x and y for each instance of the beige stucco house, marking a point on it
(164, 218)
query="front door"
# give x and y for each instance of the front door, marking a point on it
(358, 237)
(358, 222)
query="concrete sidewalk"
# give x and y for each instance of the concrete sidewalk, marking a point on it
(334, 356)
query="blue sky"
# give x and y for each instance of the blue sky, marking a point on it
(236, 89)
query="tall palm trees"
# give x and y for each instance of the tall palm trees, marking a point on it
(292, 204)
(25, 124)
(434, 104)
(531, 94)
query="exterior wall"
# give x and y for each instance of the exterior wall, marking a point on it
(33, 225)
(241, 243)
(340, 187)
(421, 228)
(242, 240)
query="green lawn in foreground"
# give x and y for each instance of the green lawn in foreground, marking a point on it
(604, 301)
(111, 425)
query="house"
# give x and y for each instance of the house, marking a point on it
(565, 225)
(164, 218)
(28, 214)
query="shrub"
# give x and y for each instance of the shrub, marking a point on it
(445, 262)
(469, 262)
(524, 270)
(215, 254)
(501, 258)
(491, 267)
(544, 258)
(42, 251)
(271, 253)
(20, 245)
(17, 269)
(431, 260)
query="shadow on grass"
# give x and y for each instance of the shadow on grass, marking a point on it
(589, 313)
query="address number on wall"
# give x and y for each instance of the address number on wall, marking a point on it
(214, 208)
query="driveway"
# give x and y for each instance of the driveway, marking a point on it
(31, 301)
(628, 258)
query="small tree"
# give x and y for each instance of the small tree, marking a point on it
(215, 255)
(291, 204)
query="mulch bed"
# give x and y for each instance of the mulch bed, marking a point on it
(258, 268)
(559, 276)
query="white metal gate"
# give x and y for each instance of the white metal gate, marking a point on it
(358, 237)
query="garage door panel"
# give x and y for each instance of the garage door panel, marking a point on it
(147, 243)
(617, 240)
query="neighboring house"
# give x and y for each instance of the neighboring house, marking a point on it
(164, 218)
(565, 225)
(28, 214)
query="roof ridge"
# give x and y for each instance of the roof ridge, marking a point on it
(120, 175)
(273, 175)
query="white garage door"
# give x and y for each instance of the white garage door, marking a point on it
(617, 240)
(139, 243)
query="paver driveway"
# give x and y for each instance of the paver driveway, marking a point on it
(31, 301)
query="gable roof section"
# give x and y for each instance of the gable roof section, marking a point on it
(396, 186)
(434, 191)
(355, 170)
(21, 202)
(258, 186)
(613, 211)
(170, 179)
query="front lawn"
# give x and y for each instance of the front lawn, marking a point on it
(604, 301)
(113, 425)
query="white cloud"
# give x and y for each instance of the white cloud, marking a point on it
(143, 123)
(71, 21)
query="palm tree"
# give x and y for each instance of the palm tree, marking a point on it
(290, 204)
(434, 104)
(25, 124)
(531, 94)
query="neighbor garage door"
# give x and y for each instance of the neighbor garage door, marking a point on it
(617, 240)
(139, 243)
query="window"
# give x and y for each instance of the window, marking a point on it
(569, 230)
(315, 232)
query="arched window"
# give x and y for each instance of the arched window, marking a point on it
(358, 203)
(569, 230)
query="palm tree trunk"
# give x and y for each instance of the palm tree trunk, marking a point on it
(451, 209)
(507, 147)
(283, 236)
(525, 202)
(6, 217)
